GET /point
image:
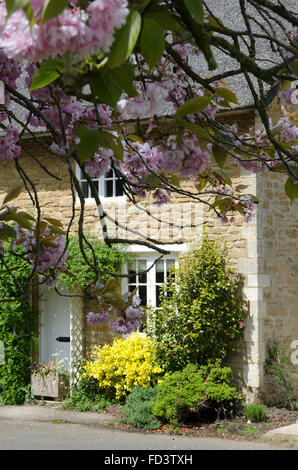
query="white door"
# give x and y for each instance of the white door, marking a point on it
(54, 326)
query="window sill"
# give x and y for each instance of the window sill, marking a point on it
(91, 200)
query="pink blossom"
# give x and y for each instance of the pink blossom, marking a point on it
(8, 145)
(100, 163)
(49, 258)
(71, 30)
(97, 318)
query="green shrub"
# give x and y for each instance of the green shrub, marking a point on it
(107, 259)
(18, 322)
(85, 395)
(255, 412)
(137, 410)
(197, 394)
(123, 365)
(79, 401)
(201, 310)
(279, 366)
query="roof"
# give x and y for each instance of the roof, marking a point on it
(229, 11)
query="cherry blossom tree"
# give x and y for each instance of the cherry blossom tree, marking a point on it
(90, 67)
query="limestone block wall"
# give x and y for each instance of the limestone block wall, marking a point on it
(278, 260)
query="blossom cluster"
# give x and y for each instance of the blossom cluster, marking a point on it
(74, 30)
(128, 319)
(9, 148)
(50, 259)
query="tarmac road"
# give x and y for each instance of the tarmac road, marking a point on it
(60, 434)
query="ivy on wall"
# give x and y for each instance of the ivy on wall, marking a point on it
(79, 274)
(17, 329)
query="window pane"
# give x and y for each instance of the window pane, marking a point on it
(85, 189)
(159, 273)
(142, 266)
(132, 277)
(110, 174)
(170, 264)
(109, 188)
(119, 188)
(143, 294)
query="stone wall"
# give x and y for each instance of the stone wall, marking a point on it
(278, 260)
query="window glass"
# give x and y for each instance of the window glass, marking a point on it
(108, 185)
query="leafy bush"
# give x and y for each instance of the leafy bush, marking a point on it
(108, 259)
(279, 366)
(79, 401)
(137, 410)
(197, 393)
(86, 395)
(17, 327)
(201, 310)
(123, 365)
(255, 412)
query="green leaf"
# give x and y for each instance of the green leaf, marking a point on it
(125, 77)
(174, 180)
(223, 174)
(13, 193)
(47, 241)
(294, 67)
(55, 229)
(109, 286)
(26, 215)
(152, 180)
(108, 140)
(52, 8)
(125, 40)
(194, 105)
(198, 130)
(22, 221)
(164, 18)
(152, 41)
(195, 8)
(227, 94)
(114, 299)
(28, 9)
(291, 189)
(47, 73)
(54, 222)
(7, 232)
(14, 5)
(111, 83)
(214, 22)
(220, 154)
(89, 142)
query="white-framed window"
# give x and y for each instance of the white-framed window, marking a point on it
(148, 281)
(109, 186)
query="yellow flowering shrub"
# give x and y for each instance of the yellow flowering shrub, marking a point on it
(124, 364)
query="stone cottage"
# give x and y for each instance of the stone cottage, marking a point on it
(264, 251)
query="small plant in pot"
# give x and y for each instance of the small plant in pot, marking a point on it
(50, 379)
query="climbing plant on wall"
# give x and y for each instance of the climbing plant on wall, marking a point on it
(17, 328)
